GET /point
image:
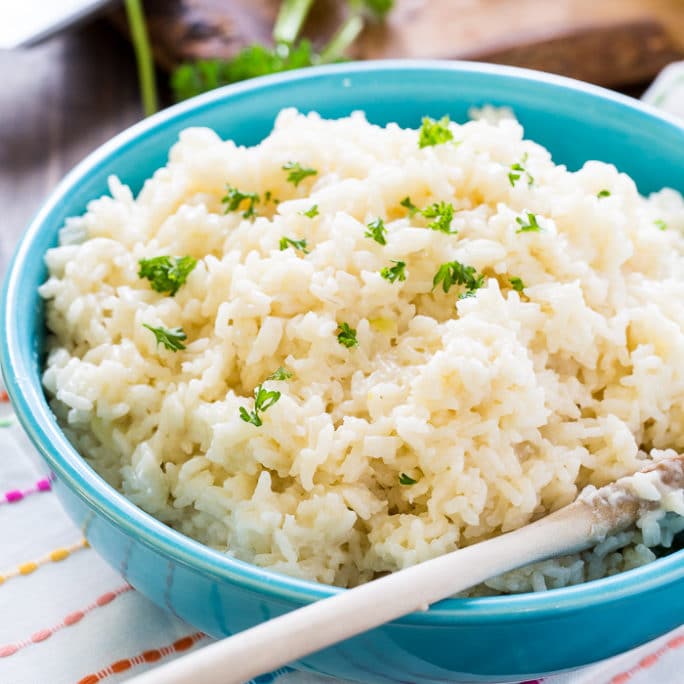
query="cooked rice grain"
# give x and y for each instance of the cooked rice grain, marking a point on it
(502, 406)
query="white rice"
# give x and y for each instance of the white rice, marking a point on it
(501, 406)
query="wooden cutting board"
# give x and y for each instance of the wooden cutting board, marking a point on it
(610, 42)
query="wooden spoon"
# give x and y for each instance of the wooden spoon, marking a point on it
(576, 527)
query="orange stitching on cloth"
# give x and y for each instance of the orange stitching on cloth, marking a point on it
(648, 661)
(55, 556)
(152, 656)
(70, 620)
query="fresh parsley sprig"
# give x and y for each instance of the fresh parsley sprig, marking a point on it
(234, 198)
(311, 213)
(434, 132)
(394, 273)
(412, 208)
(405, 479)
(530, 225)
(263, 400)
(443, 213)
(280, 374)
(166, 273)
(171, 338)
(287, 53)
(455, 273)
(143, 55)
(376, 230)
(296, 172)
(300, 245)
(517, 284)
(346, 336)
(197, 77)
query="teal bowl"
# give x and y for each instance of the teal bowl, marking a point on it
(507, 638)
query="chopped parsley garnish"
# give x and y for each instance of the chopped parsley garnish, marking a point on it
(263, 400)
(297, 173)
(456, 273)
(603, 193)
(286, 242)
(376, 231)
(517, 170)
(280, 374)
(517, 284)
(405, 479)
(234, 198)
(347, 336)
(394, 273)
(172, 338)
(166, 273)
(434, 132)
(443, 213)
(660, 224)
(412, 208)
(531, 226)
(312, 213)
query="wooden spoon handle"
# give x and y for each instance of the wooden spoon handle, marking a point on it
(348, 613)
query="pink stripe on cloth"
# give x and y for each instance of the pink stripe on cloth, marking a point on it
(70, 620)
(16, 495)
(648, 660)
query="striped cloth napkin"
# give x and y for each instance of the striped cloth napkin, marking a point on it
(66, 617)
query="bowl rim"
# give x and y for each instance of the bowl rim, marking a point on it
(38, 421)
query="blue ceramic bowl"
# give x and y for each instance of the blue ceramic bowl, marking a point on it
(457, 640)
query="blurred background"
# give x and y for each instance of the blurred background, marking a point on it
(76, 72)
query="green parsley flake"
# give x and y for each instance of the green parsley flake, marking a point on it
(263, 400)
(660, 224)
(405, 479)
(312, 213)
(456, 273)
(286, 242)
(532, 226)
(603, 193)
(280, 374)
(443, 213)
(166, 273)
(234, 198)
(517, 284)
(434, 132)
(394, 273)
(172, 338)
(347, 336)
(297, 173)
(376, 231)
(517, 170)
(412, 208)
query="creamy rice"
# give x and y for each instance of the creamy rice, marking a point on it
(450, 421)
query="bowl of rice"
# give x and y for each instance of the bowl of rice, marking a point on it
(307, 330)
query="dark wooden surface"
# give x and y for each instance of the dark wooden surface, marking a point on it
(58, 102)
